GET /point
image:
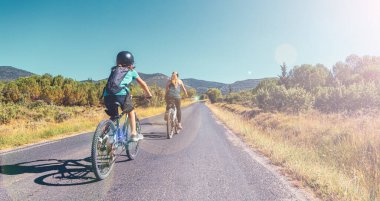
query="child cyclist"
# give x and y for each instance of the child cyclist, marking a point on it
(117, 91)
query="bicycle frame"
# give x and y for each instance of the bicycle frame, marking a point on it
(122, 132)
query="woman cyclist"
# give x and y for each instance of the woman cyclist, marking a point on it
(173, 93)
(126, 74)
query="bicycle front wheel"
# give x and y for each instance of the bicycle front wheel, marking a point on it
(102, 149)
(132, 148)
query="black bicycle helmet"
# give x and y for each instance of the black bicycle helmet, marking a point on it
(125, 58)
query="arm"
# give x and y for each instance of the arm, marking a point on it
(184, 89)
(144, 86)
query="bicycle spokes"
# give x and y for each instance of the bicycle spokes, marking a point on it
(103, 149)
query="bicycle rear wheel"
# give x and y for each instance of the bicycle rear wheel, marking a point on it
(102, 149)
(132, 148)
(170, 124)
(176, 129)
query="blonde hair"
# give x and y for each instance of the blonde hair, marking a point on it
(174, 79)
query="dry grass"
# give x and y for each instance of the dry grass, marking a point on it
(336, 155)
(27, 131)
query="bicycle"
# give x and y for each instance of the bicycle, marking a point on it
(109, 141)
(172, 121)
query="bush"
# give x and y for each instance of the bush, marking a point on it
(278, 98)
(61, 116)
(233, 98)
(191, 92)
(37, 104)
(203, 97)
(8, 112)
(297, 100)
(214, 94)
(352, 98)
(271, 98)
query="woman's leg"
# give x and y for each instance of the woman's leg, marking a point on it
(167, 108)
(178, 106)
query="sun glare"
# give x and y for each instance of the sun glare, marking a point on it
(286, 53)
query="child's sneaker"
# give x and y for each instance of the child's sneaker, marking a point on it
(137, 137)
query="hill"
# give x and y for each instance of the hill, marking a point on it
(201, 85)
(241, 85)
(8, 73)
(156, 78)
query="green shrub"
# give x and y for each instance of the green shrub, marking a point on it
(61, 116)
(8, 112)
(352, 98)
(233, 98)
(36, 104)
(214, 94)
(278, 98)
(271, 98)
(297, 100)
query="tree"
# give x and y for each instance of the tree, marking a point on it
(214, 94)
(58, 81)
(2, 85)
(29, 88)
(265, 84)
(11, 93)
(357, 69)
(284, 75)
(309, 77)
(191, 92)
(203, 97)
(278, 98)
(52, 95)
(93, 98)
(158, 96)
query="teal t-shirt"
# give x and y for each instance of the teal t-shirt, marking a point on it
(129, 77)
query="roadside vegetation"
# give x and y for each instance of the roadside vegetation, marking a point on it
(321, 126)
(41, 108)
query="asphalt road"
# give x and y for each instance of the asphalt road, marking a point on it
(204, 162)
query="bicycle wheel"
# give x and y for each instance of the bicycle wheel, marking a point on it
(176, 129)
(132, 148)
(170, 124)
(102, 149)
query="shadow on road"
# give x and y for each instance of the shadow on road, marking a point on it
(154, 123)
(59, 172)
(154, 136)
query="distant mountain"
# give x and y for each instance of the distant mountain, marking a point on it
(201, 85)
(8, 73)
(241, 85)
(156, 78)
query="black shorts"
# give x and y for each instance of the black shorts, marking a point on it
(112, 107)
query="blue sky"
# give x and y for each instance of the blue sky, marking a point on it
(216, 40)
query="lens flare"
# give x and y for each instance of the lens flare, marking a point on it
(286, 53)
